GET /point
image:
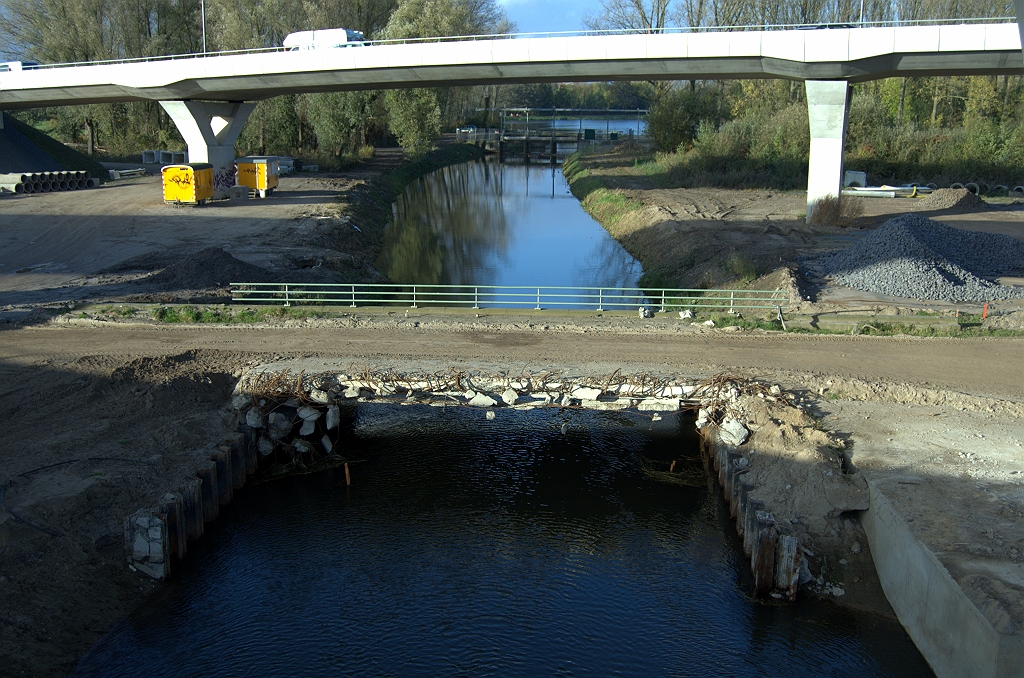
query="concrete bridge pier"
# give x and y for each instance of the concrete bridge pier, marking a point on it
(210, 129)
(828, 111)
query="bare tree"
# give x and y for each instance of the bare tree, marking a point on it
(636, 15)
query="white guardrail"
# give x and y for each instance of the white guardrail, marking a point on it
(550, 34)
(504, 296)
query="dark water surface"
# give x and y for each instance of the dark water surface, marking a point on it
(475, 547)
(486, 223)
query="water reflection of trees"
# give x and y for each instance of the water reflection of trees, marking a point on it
(446, 228)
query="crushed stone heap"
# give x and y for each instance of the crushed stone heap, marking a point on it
(955, 199)
(914, 257)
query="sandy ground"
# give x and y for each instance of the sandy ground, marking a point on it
(157, 395)
(102, 243)
(702, 237)
(937, 422)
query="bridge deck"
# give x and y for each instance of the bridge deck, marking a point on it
(853, 54)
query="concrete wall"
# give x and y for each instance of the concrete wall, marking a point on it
(954, 637)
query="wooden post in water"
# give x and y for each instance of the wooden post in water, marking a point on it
(211, 506)
(348, 476)
(225, 482)
(526, 139)
(554, 144)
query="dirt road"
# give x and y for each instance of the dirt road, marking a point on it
(152, 399)
(990, 367)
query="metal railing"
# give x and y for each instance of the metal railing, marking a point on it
(504, 296)
(549, 34)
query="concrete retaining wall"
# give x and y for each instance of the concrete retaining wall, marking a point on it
(952, 635)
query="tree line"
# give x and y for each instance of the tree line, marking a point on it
(907, 117)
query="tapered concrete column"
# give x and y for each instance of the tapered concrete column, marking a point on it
(828, 110)
(211, 130)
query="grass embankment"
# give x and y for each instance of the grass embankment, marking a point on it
(670, 258)
(68, 157)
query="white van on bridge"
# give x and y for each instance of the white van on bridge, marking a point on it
(326, 39)
(9, 66)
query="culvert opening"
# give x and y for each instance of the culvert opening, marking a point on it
(529, 542)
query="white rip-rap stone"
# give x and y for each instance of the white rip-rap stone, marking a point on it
(253, 418)
(318, 396)
(352, 392)
(333, 417)
(328, 445)
(265, 446)
(617, 404)
(481, 400)
(241, 401)
(490, 415)
(659, 405)
(586, 393)
(510, 396)
(703, 418)
(733, 432)
(308, 426)
(308, 413)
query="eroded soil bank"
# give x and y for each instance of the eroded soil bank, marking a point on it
(159, 396)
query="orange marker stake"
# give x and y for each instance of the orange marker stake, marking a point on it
(984, 311)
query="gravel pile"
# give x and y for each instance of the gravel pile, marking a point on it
(212, 267)
(913, 257)
(952, 199)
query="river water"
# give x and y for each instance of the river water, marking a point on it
(475, 547)
(487, 223)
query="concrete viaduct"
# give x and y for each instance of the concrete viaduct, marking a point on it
(207, 95)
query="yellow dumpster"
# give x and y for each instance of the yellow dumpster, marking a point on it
(190, 184)
(258, 174)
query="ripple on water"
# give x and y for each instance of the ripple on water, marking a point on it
(479, 547)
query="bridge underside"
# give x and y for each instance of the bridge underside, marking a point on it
(262, 86)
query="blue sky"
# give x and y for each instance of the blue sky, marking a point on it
(549, 15)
